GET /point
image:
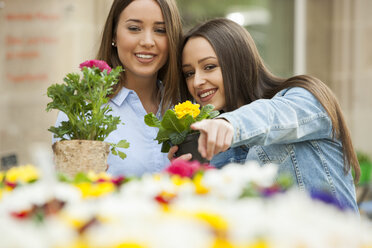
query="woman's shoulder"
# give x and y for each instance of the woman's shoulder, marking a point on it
(296, 92)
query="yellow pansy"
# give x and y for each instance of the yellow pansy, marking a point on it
(22, 174)
(185, 108)
(95, 189)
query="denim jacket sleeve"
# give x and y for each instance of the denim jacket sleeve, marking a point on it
(292, 115)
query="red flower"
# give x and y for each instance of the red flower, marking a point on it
(10, 184)
(24, 214)
(100, 64)
(164, 197)
(186, 168)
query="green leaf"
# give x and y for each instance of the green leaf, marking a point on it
(123, 144)
(177, 138)
(81, 177)
(113, 151)
(165, 147)
(204, 112)
(171, 122)
(163, 135)
(213, 114)
(151, 120)
(122, 155)
(63, 178)
(187, 121)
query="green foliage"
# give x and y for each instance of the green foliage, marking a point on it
(84, 101)
(365, 163)
(363, 158)
(173, 130)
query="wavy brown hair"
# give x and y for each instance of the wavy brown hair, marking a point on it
(169, 74)
(247, 79)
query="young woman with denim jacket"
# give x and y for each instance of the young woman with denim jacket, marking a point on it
(296, 123)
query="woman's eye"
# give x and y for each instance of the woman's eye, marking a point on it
(188, 74)
(134, 28)
(209, 67)
(160, 30)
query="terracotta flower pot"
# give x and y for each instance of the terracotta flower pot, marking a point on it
(190, 145)
(73, 156)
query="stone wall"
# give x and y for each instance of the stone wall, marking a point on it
(339, 52)
(40, 41)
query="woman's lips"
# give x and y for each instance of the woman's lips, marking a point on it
(145, 57)
(207, 95)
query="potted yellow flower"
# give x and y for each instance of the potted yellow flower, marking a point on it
(85, 102)
(174, 127)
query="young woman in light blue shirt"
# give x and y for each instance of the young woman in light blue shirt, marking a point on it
(296, 123)
(143, 37)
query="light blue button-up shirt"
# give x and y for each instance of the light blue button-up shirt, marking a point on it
(143, 155)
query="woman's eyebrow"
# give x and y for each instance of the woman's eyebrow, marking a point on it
(200, 60)
(140, 21)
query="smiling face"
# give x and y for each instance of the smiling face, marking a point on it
(203, 73)
(141, 39)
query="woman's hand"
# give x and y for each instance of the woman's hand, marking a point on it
(215, 136)
(172, 152)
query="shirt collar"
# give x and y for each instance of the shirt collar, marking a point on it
(121, 96)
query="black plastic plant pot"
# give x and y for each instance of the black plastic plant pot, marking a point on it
(190, 145)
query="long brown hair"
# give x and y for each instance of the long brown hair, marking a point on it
(169, 74)
(246, 79)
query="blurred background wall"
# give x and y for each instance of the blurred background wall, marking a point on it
(42, 40)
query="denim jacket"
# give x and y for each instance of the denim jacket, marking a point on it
(294, 131)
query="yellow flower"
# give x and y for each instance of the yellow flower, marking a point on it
(96, 176)
(200, 189)
(217, 222)
(22, 174)
(179, 181)
(185, 108)
(95, 189)
(129, 245)
(260, 244)
(222, 243)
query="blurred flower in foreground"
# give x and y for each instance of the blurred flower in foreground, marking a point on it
(187, 205)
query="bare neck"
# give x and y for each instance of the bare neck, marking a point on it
(147, 91)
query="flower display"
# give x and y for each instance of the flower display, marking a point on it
(84, 101)
(169, 209)
(175, 124)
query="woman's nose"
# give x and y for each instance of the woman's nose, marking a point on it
(147, 40)
(198, 79)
